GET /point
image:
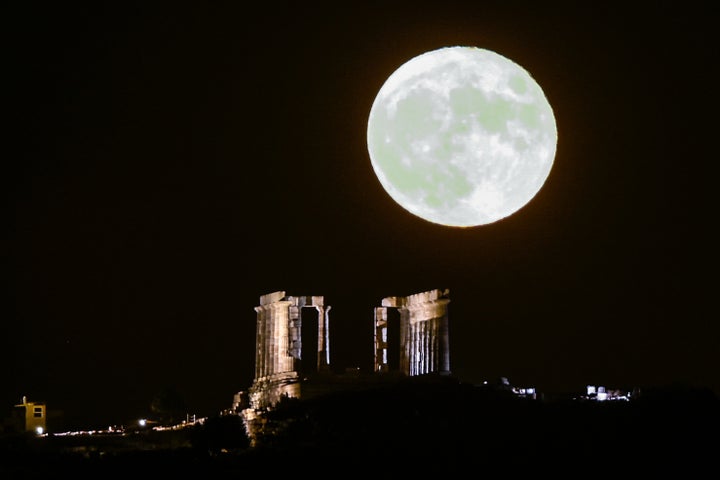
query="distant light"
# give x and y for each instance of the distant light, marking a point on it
(39, 430)
(142, 422)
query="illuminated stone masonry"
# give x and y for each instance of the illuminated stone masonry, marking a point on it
(411, 338)
(279, 350)
(424, 345)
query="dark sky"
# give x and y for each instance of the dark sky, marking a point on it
(170, 163)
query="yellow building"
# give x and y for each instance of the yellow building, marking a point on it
(35, 416)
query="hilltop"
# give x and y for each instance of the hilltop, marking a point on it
(416, 425)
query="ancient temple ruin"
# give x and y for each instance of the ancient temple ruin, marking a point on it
(289, 346)
(293, 342)
(422, 342)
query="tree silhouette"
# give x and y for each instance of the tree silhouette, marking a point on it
(168, 406)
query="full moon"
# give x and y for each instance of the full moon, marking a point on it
(461, 136)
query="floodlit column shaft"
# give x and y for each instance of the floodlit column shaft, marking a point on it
(424, 331)
(272, 340)
(380, 336)
(323, 337)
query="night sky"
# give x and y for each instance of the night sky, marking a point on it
(169, 163)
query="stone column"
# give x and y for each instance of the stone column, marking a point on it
(273, 347)
(424, 333)
(381, 345)
(405, 342)
(323, 344)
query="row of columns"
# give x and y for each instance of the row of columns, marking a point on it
(423, 344)
(279, 348)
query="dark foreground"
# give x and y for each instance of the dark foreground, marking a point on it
(443, 429)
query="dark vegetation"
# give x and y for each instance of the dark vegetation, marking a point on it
(431, 426)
